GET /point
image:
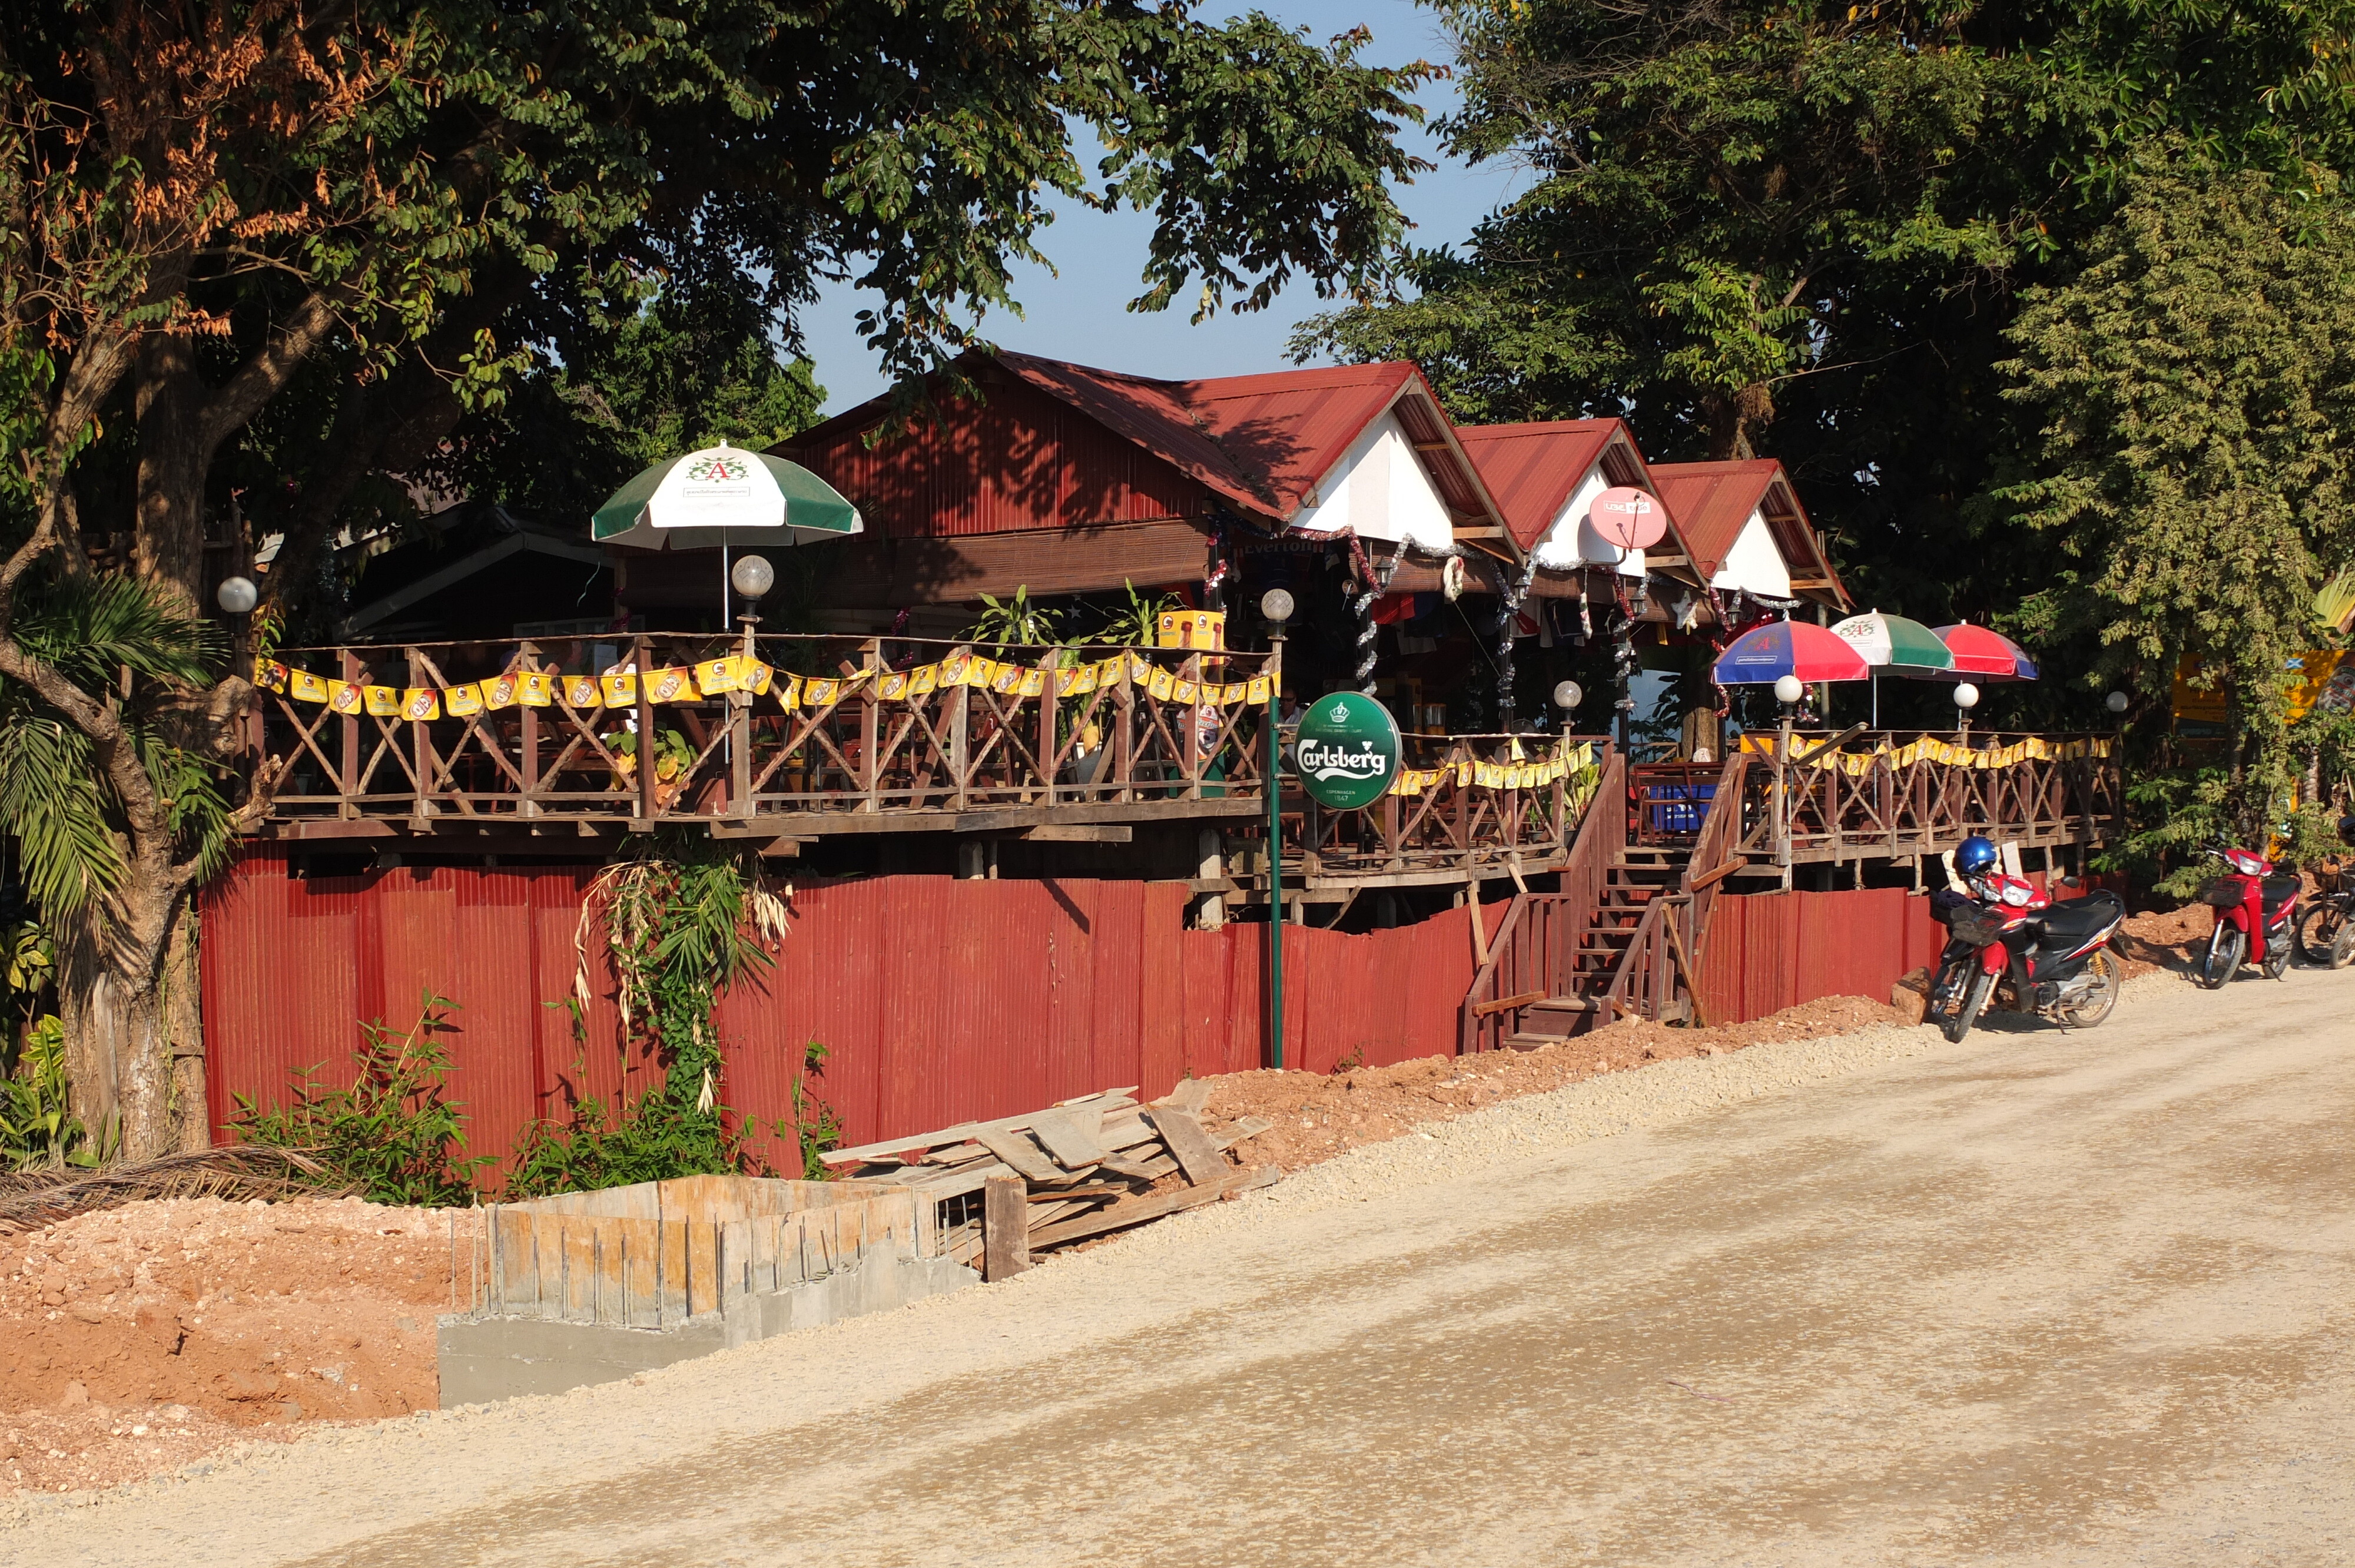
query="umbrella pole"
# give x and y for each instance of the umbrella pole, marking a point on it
(1875, 678)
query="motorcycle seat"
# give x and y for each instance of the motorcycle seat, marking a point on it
(2078, 920)
(2278, 891)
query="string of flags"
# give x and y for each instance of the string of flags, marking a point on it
(1528, 774)
(738, 673)
(1929, 749)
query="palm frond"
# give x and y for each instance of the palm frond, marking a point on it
(90, 630)
(52, 805)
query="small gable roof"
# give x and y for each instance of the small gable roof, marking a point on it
(1710, 503)
(1533, 468)
(1265, 441)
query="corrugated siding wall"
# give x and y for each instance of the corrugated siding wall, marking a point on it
(1768, 951)
(938, 999)
(1022, 460)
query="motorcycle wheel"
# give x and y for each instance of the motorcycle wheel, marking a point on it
(2276, 962)
(1980, 986)
(2325, 938)
(2099, 998)
(2227, 946)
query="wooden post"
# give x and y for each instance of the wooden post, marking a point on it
(1191, 669)
(641, 658)
(351, 736)
(420, 745)
(956, 712)
(1049, 706)
(1005, 1228)
(527, 660)
(1124, 731)
(870, 726)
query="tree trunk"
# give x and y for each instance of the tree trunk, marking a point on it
(183, 1031)
(111, 1003)
(1731, 420)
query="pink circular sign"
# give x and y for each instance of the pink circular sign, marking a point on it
(1629, 518)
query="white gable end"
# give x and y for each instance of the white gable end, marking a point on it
(1572, 542)
(1754, 563)
(1380, 489)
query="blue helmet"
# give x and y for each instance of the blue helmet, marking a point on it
(1974, 856)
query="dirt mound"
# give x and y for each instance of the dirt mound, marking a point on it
(2164, 940)
(198, 1321)
(1317, 1117)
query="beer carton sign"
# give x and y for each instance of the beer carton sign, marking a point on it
(1347, 752)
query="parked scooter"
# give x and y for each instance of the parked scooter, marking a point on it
(2255, 912)
(2014, 947)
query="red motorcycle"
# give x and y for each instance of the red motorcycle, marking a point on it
(2013, 946)
(2255, 912)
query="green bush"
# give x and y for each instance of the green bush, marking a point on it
(393, 1134)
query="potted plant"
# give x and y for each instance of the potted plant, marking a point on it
(673, 757)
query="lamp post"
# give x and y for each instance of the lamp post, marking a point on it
(237, 595)
(1966, 697)
(1275, 606)
(1567, 697)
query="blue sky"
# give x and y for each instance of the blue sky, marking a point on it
(1075, 312)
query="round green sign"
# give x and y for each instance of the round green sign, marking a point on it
(1347, 752)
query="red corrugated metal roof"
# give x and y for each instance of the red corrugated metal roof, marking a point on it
(1711, 502)
(1262, 443)
(1532, 469)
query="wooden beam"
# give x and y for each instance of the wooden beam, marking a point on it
(1079, 833)
(1507, 1004)
(1005, 1228)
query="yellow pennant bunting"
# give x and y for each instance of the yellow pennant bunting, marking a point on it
(344, 696)
(1186, 691)
(1159, 684)
(535, 688)
(382, 701)
(1034, 681)
(306, 687)
(923, 680)
(714, 677)
(419, 704)
(1256, 690)
(821, 694)
(666, 685)
(584, 692)
(463, 702)
(788, 692)
(1006, 680)
(619, 690)
(269, 675)
(499, 692)
(893, 687)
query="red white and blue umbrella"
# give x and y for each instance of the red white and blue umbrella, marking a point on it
(1799, 648)
(1983, 655)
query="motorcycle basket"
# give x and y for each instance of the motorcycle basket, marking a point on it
(2225, 892)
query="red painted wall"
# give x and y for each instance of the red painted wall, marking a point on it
(939, 1000)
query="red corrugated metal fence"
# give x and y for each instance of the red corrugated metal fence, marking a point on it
(938, 998)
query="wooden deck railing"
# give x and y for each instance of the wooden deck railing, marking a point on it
(806, 727)
(1452, 818)
(1897, 794)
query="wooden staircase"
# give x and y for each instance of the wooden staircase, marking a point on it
(1623, 939)
(1631, 883)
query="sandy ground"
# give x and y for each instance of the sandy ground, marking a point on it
(2087, 1303)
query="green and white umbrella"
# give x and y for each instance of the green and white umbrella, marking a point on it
(1900, 646)
(1892, 642)
(720, 496)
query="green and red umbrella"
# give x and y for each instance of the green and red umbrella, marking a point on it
(1766, 653)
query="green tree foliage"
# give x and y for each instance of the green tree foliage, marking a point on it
(2193, 386)
(258, 263)
(1801, 228)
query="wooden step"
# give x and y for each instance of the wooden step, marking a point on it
(1560, 1004)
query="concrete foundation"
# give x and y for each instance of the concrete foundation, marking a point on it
(487, 1358)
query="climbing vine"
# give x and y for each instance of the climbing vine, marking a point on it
(680, 920)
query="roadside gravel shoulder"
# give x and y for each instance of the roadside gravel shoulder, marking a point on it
(837, 1369)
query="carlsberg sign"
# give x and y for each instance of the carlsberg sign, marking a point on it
(1347, 752)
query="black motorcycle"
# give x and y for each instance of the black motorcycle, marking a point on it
(2024, 955)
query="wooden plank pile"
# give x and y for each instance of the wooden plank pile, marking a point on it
(1079, 1169)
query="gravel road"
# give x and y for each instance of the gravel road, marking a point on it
(1872, 1300)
